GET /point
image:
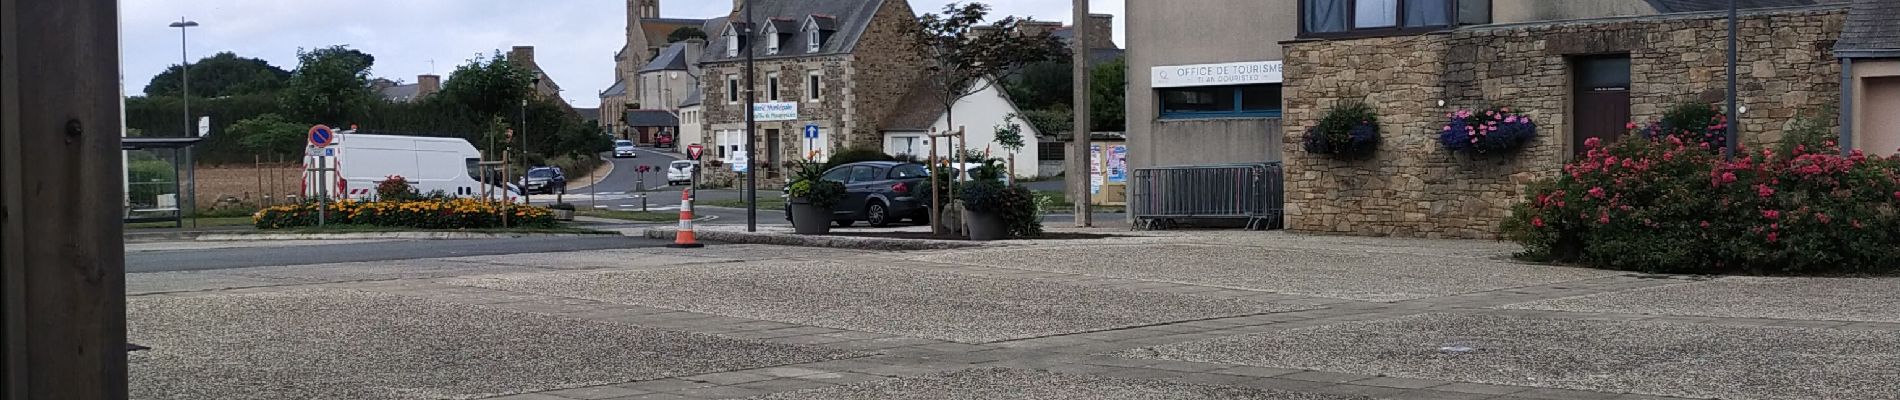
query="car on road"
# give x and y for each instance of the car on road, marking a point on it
(544, 180)
(680, 172)
(624, 149)
(879, 193)
(663, 141)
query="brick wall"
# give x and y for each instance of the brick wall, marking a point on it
(1413, 187)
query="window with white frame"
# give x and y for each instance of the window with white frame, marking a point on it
(814, 85)
(730, 141)
(771, 86)
(732, 42)
(812, 41)
(732, 89)
(771, 40)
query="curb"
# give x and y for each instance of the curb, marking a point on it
(221, 237)
(838, 242)
(591, 181)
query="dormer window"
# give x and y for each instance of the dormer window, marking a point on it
(734, 40)
(771, 39)
(818, 28)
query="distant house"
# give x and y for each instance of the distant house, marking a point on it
(646, 45)
(395, 92)
(981, 114)
(646, 126)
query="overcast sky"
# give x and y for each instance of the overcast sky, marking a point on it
(574, 40)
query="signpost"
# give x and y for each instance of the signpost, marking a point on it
(739, 161)
(811, 139)
(694, 152)
(320, 139)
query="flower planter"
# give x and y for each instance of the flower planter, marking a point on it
(984, 226)
(563, 215)
(808, 219)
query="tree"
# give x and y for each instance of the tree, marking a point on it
(1055, 121)
(684, 33)
(1042, 85)
(961, 59)
(330, 85)
(494, 87)
(1108, 84)
(269, 134)
(220, 75)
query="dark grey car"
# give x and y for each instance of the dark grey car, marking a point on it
(879, 193)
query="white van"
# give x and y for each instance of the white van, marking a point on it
(450, 165)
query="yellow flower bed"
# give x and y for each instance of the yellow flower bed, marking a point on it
(422, 214)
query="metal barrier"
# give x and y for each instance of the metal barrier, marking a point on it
(1162, 196)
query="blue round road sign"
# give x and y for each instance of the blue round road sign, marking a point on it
(320, 136)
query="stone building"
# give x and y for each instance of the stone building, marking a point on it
(397, 92)
(1580, 72)
(842, 66)
(646, 39)
(1870, 80)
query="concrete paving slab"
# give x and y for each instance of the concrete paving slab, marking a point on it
(881, 299)
(189, 281)
(752, 252)
(1002, 383)
(1831, 299)
(377, 270)
(346, 344)
(1639, 357)
(1346, 273)
(590, 260)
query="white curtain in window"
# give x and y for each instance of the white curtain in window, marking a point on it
(1427, 13)
(1375, 13)
(1326, 15)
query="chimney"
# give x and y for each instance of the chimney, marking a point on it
(427, 85)
(695, 47)
(522, 55)
(1101, 30)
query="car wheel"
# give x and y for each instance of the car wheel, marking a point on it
(876, 215)
(845, 223)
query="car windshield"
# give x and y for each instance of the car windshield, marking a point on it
(682, 164)
(622, 143)
(541, 173)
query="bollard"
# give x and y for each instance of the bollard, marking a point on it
(685, 239)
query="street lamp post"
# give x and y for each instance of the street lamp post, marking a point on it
(184, 92)
(751, 129)
(1734, 117)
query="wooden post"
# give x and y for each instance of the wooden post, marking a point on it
(936, 201)
(62, 254)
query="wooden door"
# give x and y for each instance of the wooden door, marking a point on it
(1602, 100)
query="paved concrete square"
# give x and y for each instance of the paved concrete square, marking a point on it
(1836, 299)
(590, 259)
(881, 299)
(189, 281)
(1001, 383)
(346, 344)
(1642, 357)
(1355, 275)
(376, 270)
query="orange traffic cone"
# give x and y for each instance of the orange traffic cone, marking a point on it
(685, 239)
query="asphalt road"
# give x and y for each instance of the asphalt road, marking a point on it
(205, 259)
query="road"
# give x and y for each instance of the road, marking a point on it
(207, 259)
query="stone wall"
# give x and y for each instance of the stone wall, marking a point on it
(1413, 187)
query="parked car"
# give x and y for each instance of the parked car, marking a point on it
(624, 149)
(544, 180)
(680, 172)
(879, 193)
(663, 141)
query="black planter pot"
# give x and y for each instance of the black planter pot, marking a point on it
(808, 219)
(985, 226)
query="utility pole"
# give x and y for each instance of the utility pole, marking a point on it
(1081, 163)
(751, 128)
(1734, 118)
(62, 256)
(184, 90)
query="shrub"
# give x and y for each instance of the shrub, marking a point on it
(808, 183)
(450, 214)
(1347, 131)
(1692, 123)
(1491, 131)
(986, 193)
(1667, 205)
(396, 188)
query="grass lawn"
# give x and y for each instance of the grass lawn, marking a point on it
(641, 216)
(209, 222)
(765, 203)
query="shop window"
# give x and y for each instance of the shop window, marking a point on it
(1255, 101)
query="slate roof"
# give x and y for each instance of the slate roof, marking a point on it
(694, 98)
(401, 93)
(917, 112)
(853, 17)
(588, 114)
(1872, 30)
(618, 89)
(657, 29)
(1683, 6)
(652, 118)
(825, 22)
(672, 58)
